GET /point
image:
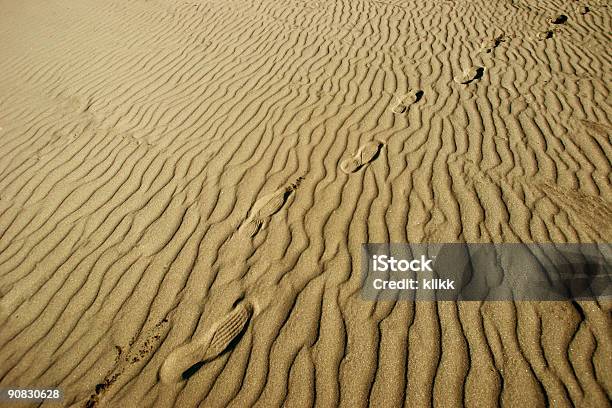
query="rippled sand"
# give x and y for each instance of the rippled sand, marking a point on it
(185, 187)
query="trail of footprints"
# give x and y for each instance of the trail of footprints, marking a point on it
(211, 343)
(487, 46)
(369, 151)
(557, 20)
(214, 341)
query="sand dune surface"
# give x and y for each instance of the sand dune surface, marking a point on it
(185, 187)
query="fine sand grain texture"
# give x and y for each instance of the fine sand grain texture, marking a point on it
(185, 187)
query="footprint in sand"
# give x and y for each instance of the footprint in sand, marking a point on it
(489, 44)
(582, 9)
(207, 346)
(265, 207)
(469, 74)
(404, 101)
(365, 154)
(544, 35)
(559, 19)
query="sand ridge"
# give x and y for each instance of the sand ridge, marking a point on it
(185, 186)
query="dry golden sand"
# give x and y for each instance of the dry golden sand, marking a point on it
(191, 181)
